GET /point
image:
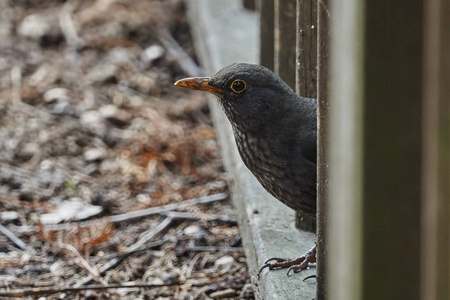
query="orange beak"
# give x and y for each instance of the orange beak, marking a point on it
(198, 83)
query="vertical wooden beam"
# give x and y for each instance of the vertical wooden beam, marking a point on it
(285, 44)
(306, 75)
(323, 19)
(249, 4)
(306, 71)
(436, 189)
(267, 32)
(376, 138)
(345, 194)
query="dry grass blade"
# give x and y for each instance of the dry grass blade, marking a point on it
(52, 290)
(167, 207)
(19, 243)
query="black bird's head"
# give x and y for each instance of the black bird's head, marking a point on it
(251, 95)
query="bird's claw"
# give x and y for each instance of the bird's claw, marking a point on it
(295, 265)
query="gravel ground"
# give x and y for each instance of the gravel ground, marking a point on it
(98, 151)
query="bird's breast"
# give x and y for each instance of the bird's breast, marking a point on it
(279, 170)
(259, 156)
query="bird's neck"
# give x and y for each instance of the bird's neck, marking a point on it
(239, 121)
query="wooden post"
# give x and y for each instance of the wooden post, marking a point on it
(285, 45)
(249, 4)
(323, 16)
(375, 149)
(436, 188)
(267, 32)
(306, 74)
(306, 71)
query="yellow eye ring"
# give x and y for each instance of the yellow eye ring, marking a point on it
(238, 86)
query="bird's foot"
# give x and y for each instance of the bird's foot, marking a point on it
(295, 265)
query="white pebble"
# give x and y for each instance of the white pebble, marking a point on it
(55, 94)
(151, 53)
(33, 26)
(95, 154)
(224, 262)
(191, 230)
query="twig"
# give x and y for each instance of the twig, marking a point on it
(213, 285)
(160, 209)
(52, 290)
(21, 173)
(182, 58)
(214, 249)
(82, 263)
(16, 81)
(68, 27)
(151, 234)
(164, 240)
(32, 111)
(191, 216)
(21, 244)
(114, 262)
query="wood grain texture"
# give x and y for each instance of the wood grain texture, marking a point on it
(323, 19)
(376, 137)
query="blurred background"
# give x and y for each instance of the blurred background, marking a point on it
(91, 126)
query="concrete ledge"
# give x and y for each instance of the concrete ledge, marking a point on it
(224, 33)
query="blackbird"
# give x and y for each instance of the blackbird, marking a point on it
(276, 135)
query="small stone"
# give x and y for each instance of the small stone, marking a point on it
(68, 210)
(108, 111)
(151, 53)
(63, 107)
(33, 26)
(144, 84)
(135, 101)
(108, 166)
(90, 117)
(143, 198)
(9, 215)
(102, 73)
(120, 56)
(191, 230)
(224, 262)
(223, 294)
(55, 94)
(91, 169)
(115, 115)
(28, 151)
(95, 154)
(122, 86)
(156, 281)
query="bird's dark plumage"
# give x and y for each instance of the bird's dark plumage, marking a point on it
(275, 130)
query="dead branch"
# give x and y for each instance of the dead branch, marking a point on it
(160, 209)
(68, 27)
(82, 263)
(214, 249)
(165, 210)
(21, 244)
(116, 261)
(191, 216)
(52, 290)
(151, 234)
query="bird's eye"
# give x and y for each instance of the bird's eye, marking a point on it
(238, 86)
